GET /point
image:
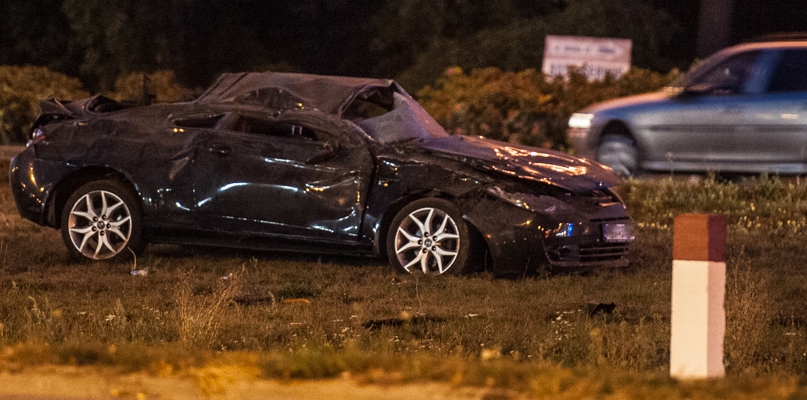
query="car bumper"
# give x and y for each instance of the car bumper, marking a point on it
(32, 184)
(522, 242)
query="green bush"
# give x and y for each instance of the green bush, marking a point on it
(525, 107)
(161, 84)
(21, 88)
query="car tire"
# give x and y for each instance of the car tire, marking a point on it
(429, 236)
(102, 221)
(620, 153)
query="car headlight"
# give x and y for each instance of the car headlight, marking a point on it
(565, 229)
(580, 120)
(571, 229)
(531, 202)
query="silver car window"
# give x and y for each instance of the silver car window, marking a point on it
(730, 76)
(790, 74)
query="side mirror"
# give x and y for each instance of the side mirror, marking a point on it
(697, 89)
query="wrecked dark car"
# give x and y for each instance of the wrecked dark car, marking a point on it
(298, 162)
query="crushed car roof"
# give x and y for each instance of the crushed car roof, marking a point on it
(329, 94)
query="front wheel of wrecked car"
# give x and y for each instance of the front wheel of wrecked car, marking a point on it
(102, 221)
(429, 236)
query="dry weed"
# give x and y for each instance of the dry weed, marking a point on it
(747, 314)
(199, 315)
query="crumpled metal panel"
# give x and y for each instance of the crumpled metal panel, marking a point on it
(540, 165)
(328, 94)
(268, 185)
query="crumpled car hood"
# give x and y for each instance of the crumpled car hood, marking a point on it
(524, 162)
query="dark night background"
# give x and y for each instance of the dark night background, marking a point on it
(410, 40)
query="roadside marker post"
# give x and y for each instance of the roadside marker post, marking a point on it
(698, 322)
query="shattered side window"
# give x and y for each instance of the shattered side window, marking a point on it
(272, 98)
(103, 104)
(263, 127)
(198, 121)
(361, 109)
(407, 120)
(370, 104)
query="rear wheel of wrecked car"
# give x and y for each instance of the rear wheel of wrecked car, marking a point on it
(619, 152)
(102, 221)
(429, 236)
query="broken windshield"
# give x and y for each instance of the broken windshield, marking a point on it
(406, 120)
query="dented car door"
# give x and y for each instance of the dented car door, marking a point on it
(263, 176)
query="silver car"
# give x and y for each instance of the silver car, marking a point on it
(742, 110)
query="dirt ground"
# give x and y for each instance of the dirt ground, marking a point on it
(71, 383)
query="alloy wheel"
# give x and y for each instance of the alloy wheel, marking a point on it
(427, 240)
(100, 224)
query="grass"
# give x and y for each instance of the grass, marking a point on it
(284, 316)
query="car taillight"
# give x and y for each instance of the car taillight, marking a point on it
(37, 136)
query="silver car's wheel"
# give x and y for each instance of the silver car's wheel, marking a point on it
(100, 221)
(429, 236)
(620, 153)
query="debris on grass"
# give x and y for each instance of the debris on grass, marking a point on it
(595, 307)
(296, 301)
(403, 319)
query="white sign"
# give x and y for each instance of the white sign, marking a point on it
(596, 56)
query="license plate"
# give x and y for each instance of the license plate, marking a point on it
(618, 233)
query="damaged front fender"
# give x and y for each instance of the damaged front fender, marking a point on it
(526, 232)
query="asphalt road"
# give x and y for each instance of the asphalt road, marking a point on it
(8, 152)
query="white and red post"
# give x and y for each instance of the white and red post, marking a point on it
(698, 322)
